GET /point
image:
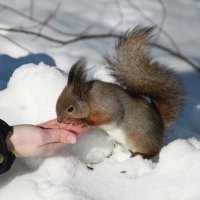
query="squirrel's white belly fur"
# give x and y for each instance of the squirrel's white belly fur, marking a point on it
(116, 133)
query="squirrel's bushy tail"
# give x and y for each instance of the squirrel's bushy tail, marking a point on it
(133, 67)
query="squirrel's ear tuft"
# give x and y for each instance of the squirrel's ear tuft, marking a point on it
(77, 76)
(77, 73)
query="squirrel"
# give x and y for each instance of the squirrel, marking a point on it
(123, 110)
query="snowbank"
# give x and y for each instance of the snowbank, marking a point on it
(30, 97)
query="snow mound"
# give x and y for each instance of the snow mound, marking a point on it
(31, 94)
(175, 176)
(93, 146)
(30, 98)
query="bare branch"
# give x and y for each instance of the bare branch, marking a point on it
(31, 9)
(32, 33)
(152, 21)
(164, 16)
(31, 18)
(100, 36)
(63, 42)
(83, 36)
(16, 43)
(121, 17)
(176, 54)
(49, 18)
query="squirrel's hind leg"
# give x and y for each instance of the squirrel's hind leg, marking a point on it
(146, 145)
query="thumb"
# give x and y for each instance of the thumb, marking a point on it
(61, 136)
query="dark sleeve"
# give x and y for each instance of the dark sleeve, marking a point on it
(6, 157)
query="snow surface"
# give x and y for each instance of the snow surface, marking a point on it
(32, 92)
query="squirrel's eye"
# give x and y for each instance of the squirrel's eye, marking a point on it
(70, 109)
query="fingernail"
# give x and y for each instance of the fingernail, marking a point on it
(71, 139)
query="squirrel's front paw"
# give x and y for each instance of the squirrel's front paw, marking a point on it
(76, 122)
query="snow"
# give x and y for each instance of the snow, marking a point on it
(11, 64)
(33, 89)
(93, 146)
(26, 86)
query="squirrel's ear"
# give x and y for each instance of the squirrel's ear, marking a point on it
(77, 77)
(77, 73)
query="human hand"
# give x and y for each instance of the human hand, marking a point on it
(42, 140)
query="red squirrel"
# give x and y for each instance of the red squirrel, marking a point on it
(122, 109)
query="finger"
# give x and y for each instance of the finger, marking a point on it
(55, 124)
(50, 124)
(61, 136)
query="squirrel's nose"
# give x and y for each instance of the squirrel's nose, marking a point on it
(59, 119)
